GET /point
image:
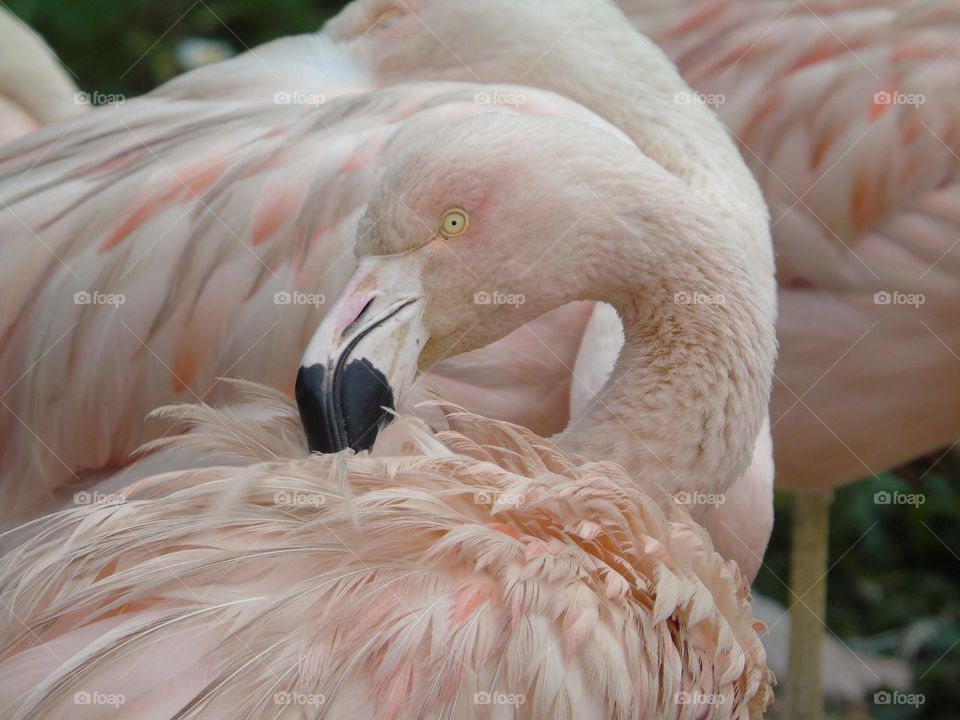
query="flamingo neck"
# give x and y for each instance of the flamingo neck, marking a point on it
(687, 397)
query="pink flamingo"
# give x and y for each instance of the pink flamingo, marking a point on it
(848, 113)
(34, 88)
(486, 565)
(168, 229)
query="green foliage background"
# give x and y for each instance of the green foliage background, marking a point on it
(894, 581)
(127, 46)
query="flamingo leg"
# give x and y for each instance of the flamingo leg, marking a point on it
(808, 590)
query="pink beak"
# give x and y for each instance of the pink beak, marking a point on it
(363, 355)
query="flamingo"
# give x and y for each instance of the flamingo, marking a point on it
(848, 113)
(478, 573)
(34, 87)
(167, 230)
(442, 574)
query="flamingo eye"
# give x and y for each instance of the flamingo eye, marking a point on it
(389, 18)
(455, 223)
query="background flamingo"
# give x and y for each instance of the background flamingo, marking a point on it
(705, 395)
(34, 88)
(848, 113)
(199, 203)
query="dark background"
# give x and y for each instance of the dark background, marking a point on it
(102, 41)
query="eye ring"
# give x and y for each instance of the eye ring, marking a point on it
(455, 223)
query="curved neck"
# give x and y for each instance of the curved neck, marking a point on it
(689, 392)
(31, 75)
(644, 95)
(688, 395)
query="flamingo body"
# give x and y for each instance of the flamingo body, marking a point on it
(149, 243)
(480, 570)
(848, 114)
(231, 224)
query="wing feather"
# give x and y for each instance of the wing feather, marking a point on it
(151, 248)
(848, 113)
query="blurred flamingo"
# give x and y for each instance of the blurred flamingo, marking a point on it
(485, 560)
(848, 113)
(34, 88)
(151, 246)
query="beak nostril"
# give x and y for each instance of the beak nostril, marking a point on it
(360, 315)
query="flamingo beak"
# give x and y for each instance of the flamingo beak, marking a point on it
(363, 355)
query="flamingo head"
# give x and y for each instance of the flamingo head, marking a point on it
(487, 41)
(480, 230)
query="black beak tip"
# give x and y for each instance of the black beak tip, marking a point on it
(347, 410)
(314, 407)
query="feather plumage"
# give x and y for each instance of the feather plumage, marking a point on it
(479, 572)
(848, 114)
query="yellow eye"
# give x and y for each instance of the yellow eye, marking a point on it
(454, 223)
